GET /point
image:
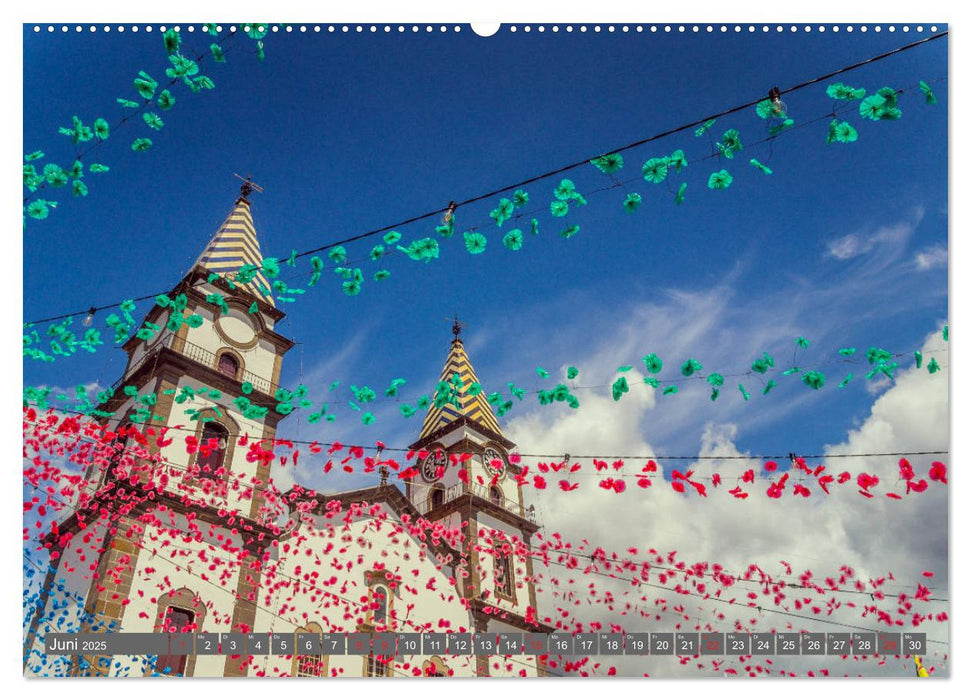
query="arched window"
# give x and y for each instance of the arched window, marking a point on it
(212, 449)
(437, 497)
(503, 568)
(309, 662)
(380, 612)
(228, 365)
(434, 668)
(495, 495)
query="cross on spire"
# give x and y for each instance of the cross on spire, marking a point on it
(457, 326)
(248, 186)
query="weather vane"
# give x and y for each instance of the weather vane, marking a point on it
(248, 186)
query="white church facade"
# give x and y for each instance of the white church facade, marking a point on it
(195, 541)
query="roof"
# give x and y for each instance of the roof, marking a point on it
(234, 245)
(476, 408)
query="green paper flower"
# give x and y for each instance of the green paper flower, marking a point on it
(846, 352)
(337, 255)
(367, 418)
(182, 67)
(655, 170)
(610, 163)
(513, 240)
(38, 209)
(928, 93)
(768, 387)
(570, 231)
(814, 380)
(559, 208)
(475, 242)
(619, 388)
(572, 372)
(846, 380)
(933, 366)
(195, 320)
(77, 170)
(520, 198)
(677, 160)
(381, 275)
(55, 175)
(534, 227)
(841, 132)
(102, 129)
(745, 394)
(730, 144)
(565, 191)
(377, 252)
(873, 107)
(944, 333)
(839, 91)
(474, 389)
(802, 342)
(632, 202)
(128, 104)
(351, 288)
(714, 394)
(140, 145)
(79, 189)
(172, 41)
(779, 128)
(145, 85)
(97, 168)
(502, 212)
(36, 155)
(765, 169)
(165, 101)
(446, 230)
(679, 197)
(153, 121)
(653, 363)
(701, 130)
(690, 366)
(720, 180)
(767, 109)
(217, 53)
(672, 389)
(716, 379)
(652, 381)
(391, 237)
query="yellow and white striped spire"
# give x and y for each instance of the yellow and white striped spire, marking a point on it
(476, 407)
(235, 244)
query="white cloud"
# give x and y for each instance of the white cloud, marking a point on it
(874, 536)
(931, 258)
(892, 236)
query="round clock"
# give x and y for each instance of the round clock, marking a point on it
(433, 463)
(494, 461)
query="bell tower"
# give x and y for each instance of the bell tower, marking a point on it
(481, 494)
(206, 365)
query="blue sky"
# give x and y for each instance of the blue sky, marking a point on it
(347, 133)
(844, 244)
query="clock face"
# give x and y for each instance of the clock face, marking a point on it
(433, 463)
(494, 461)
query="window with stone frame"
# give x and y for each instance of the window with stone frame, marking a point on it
(503, 568)
(212, 450)
(177, 621)
(312, 665)
(228, 365)
(376, 666)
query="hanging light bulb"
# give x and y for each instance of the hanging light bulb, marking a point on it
(89, 318)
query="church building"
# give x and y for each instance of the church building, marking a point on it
(203, 545)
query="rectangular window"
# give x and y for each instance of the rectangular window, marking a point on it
(310, 665)
(376, 666)
(177, 621)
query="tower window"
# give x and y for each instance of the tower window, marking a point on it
(228, 365)
(380, 616)
(212, 449)
(437, 497)
(177, 621)
(376, 666)
(495, 495)
(503, 570)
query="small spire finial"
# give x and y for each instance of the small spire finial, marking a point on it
(248, 186)
(457, 326)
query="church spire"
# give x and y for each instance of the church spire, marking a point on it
(472, 406)
(236, 244)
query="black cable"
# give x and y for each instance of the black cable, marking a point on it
(564, 168)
